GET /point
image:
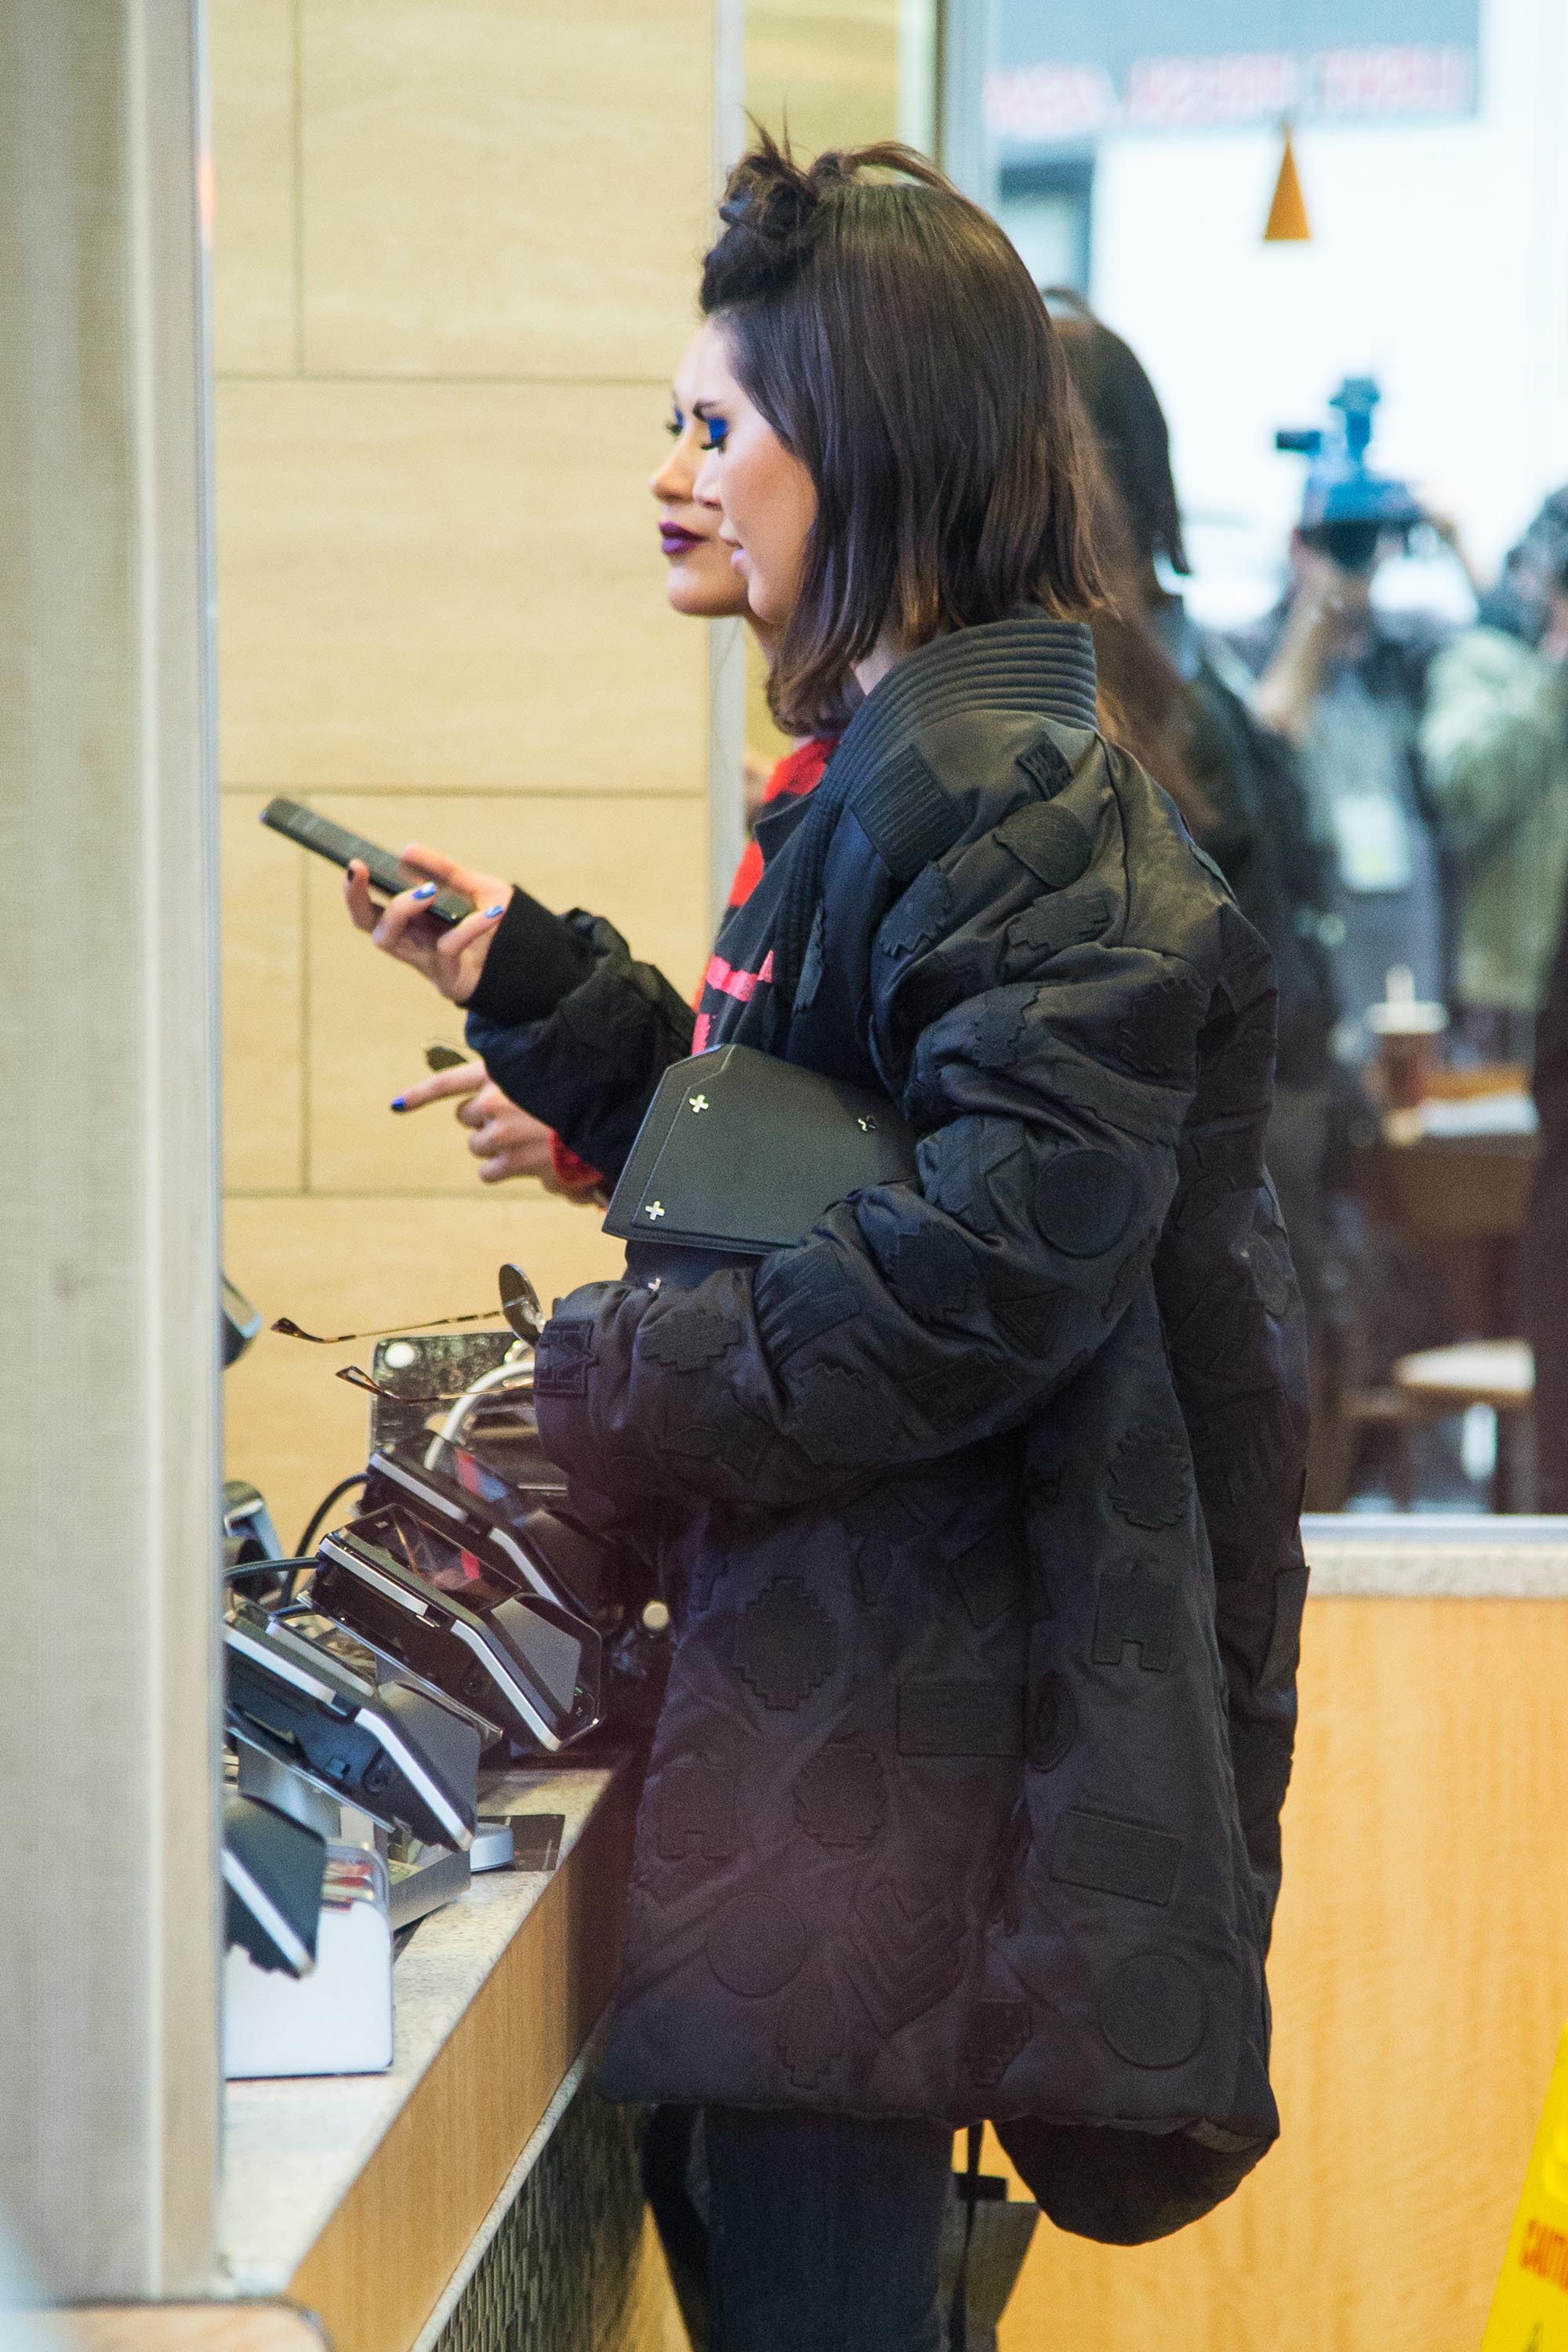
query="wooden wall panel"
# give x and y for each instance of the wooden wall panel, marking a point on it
(502, 187)
(264, 884)
(360, 1262)
(826, 69)
(455, 266)
(256, 220)
(1420, 1980)
(639, 862)
(449, 586)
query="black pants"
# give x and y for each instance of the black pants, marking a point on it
(823, 2230)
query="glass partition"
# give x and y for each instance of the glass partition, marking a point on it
(1329, 238)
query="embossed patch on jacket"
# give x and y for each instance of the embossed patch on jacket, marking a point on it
(959, 1165)
(990, 1581)
(1000, 1028)
(1135, 1610)
(1050, 925)
(1267, 1255)
(1152, 2010)
(963, 1391)
(805, 1295)
(1046, 765)
(922, 917)
(1115, 1856)
(755, 1946)
(905, 814)
(696, 1808)
(685, 1338)
(841, 1796)
(1030, 1324)
(996, 2033)
(1084, 1198)
(1157, 1035)
(843, 1415)
(1150, 1478)
(787, 1644)
(930, 1266)
(562, 1362)
(907, 1952)
(811, 2036)
(1049, 840)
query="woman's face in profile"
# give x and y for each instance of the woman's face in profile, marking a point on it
(767, 496)
(702, 582)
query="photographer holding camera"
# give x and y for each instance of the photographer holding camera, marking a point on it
(1345, 683)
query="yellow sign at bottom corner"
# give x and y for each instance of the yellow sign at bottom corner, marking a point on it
(1530, 2310)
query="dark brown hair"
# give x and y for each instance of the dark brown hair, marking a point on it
(1133, 518)
(895, 342)
(1129, 424)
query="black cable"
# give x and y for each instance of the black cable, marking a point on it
(302, 1549)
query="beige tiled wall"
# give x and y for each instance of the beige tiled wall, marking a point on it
(455, 248)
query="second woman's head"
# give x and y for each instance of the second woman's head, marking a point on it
(899, 452)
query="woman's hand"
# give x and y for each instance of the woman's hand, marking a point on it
(505, 1140)
(450, 955)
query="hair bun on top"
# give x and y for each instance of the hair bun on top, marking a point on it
(775, 209)
(770, 212)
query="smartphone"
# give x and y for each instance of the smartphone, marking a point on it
(425, 1603)
(407, 1760)
(510, 1525)
(387, 874)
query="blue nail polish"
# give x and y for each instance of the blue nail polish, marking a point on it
(492, 911)
(398, 1103)
(426, 890)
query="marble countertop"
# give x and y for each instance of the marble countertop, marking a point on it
(292, 2149)
(1433, 1555)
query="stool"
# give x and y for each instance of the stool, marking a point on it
(1499, 1373)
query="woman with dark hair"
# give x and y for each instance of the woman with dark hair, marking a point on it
(1247, 805)
(976, 1510)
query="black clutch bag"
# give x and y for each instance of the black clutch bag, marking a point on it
(740, 1154)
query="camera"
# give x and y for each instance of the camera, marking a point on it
(1346, 507)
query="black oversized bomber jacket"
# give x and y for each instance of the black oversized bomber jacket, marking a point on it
(979, 1508)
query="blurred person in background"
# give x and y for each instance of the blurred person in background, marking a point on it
(1495, 744)
(1240, 788)
(1543, 1257)
(1345, 684)
(1529, 612)
(701, 584)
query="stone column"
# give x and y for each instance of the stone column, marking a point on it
(109, 1401)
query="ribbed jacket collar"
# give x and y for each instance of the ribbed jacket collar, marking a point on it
(1027, 661)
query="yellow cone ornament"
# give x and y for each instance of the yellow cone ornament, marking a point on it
(1530, 2313)
(1288, 223)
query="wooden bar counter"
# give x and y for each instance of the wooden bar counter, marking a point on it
(1420, 1980)
(368, 2200)
(1419, 1972)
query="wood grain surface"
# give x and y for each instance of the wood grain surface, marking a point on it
(377, 2269)
(1420, 1980)
(193, 2328)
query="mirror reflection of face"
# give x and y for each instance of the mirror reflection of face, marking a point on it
(765, 494)
(702, 581)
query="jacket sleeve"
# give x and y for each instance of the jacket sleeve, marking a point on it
(1235, 1339)
(576, 1031)
(919, 1316)
(1490, 738)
